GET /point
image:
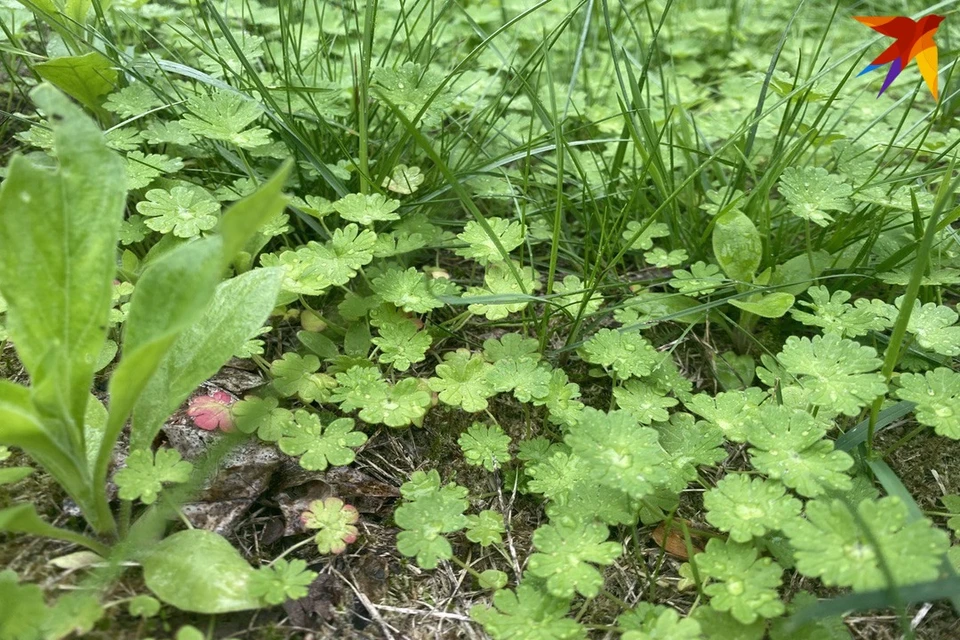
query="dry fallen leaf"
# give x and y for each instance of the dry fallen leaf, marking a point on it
(672, 542)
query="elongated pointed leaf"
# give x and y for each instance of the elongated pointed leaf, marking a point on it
(238, 309)
(23, 518)
(737, 246)
(197, 570)
(86, 78)
(59, 232)
(241, 222)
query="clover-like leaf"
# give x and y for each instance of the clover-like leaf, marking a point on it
(486, 446)
(264, 416)
(511, 345)
(831, 544)
(486, 528)
(281, 581)
(826, 628)
(144, 475)
(406, 289)
(571, 296)
(425, 520)
(319, 445)
(23, 611)
(143, 606)
(937, 396)
(212, 412)
(462, 381)
(834, 314)
(133, 100)
(702, 279)
(528, 613)
(403, 179)
(935, 327)
(225, 115)
(402, 404)
(335, 523)
(294, 374)
(734, 412)
(184, 211)
(656, 622)
(409, 87)
(839, 373)
(74, 613)
(749, 508)
(619, 453)
(566, 553)
(662, 258)
(365, 209)
(812, 191)
(526, 377)
(788, 445)
(626, 353)
(499, 280)
(689, 443)
(643, 401)
(481, 248)
(746, 585)
(402, 344)
(562, 399)
(644, 241)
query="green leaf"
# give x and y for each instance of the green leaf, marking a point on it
(619, 453)
(462, 381)
(365, 209)
(335, 523)
(627, 353)
(528, 613)
(644, 241)
(834, 314)
(9, 475)
(745, 585)
(772, 305)
(74, 613)
(737, 246)
(281, 581)
(734, 412)
(527, 378)
(717, 625)
(225, 115)
(264, 416)
(402, 344)
(702, 279)
(500, 283)
(492, 579)
(688, 444)
(844, 550)
(238, 309)
(143, 606)
(84, 78)
(838, 373)
(435, 511)
(319, 445)
(144, 475)
(830, 628)
(811, 192)
(510, 345)
(655, 622)
(406, 289)
(749, 508)
(566, 553)
(643, 401)
(183, 211)
(23, 610)
(935, 328)
(788, 445)
(293, 375)
(486, 446)
(486, 528)
(59, 231)
(199, 571)
(479, 245)
(937, 397)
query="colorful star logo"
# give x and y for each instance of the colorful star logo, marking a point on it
(914, 39)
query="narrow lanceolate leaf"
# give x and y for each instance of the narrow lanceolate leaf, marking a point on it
(59, 231)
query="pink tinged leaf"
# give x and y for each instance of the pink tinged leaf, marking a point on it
(212, 412)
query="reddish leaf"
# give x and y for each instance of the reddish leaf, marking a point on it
(212, 412)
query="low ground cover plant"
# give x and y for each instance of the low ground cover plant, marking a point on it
(629, 358)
